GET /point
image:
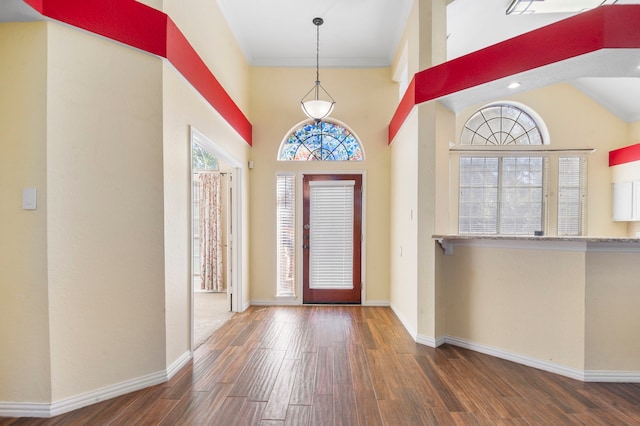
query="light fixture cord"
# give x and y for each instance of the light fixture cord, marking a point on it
(317, 61)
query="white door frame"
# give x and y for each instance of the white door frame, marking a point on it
(234, 241)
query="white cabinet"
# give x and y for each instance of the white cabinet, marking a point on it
(626, 201)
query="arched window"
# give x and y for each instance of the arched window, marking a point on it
(320, 141)
(503, 186)
(504, 124)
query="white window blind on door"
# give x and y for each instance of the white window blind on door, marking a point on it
(331, 234)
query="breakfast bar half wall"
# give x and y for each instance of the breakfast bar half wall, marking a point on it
(565, 305)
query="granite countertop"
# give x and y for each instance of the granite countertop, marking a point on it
(586, 239)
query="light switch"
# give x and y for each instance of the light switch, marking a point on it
(29, 199)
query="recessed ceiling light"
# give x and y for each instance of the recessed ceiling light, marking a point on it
(514, 85)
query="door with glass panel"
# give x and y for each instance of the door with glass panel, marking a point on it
(331, 238)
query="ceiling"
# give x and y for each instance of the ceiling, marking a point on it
(365, 33)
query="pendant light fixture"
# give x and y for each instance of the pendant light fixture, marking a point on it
(312, 105)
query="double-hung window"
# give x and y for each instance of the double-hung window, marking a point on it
(504, 172)
(502, 194)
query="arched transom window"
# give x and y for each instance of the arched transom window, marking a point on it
(320, 141)
(501, 124)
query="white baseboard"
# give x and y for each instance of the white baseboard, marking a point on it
(518, 358)
(20, 409)
(405, 323)
(430, 341)
(294, 301)
(25, 409)
(285, 301)
(178, 364)
(582, 375)
(612, 376)
(381, 303)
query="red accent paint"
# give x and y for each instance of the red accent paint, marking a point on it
(192, 67)
(150, 30)
(605, 27)
(624, 155)
(404, 109)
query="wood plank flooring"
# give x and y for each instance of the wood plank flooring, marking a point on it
(346, 365)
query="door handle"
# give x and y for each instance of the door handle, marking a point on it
(305, 246)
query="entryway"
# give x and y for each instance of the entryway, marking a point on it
(215, 225)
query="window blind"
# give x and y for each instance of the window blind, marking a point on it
(571, 197)
(331, 234)
(502, 195)
(285, 235)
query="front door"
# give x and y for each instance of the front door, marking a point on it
(332, 234)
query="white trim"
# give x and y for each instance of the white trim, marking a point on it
(279, 301)
(25, 409)
(612, 376)
(428, 341)
(44, 410)
(235, 239)
(413, 333)
(551, 367)
(99, 395)
(177, 365)
(380, 303)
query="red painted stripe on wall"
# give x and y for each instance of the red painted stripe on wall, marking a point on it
(624, 155)
(604, 27)
(126, 21)
(151, 30)
(404, 109)
(193, 68)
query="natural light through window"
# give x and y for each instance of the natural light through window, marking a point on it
(320, 141)
(504, 172)
(285, 231)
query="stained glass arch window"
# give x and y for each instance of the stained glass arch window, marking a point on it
(504, 123)
(321, 141)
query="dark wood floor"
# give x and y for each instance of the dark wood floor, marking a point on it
(352, 366)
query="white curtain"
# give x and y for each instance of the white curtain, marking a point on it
(210, 232)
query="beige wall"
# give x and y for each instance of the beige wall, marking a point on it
(634, 133)
(613, 317)
(423, 141)
(105, 212)
(204, 25)
(404, 224)
(24, 324)
(494, 299)
(102, 268)
(364, 102)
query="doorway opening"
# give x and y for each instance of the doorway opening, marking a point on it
(214, 236)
